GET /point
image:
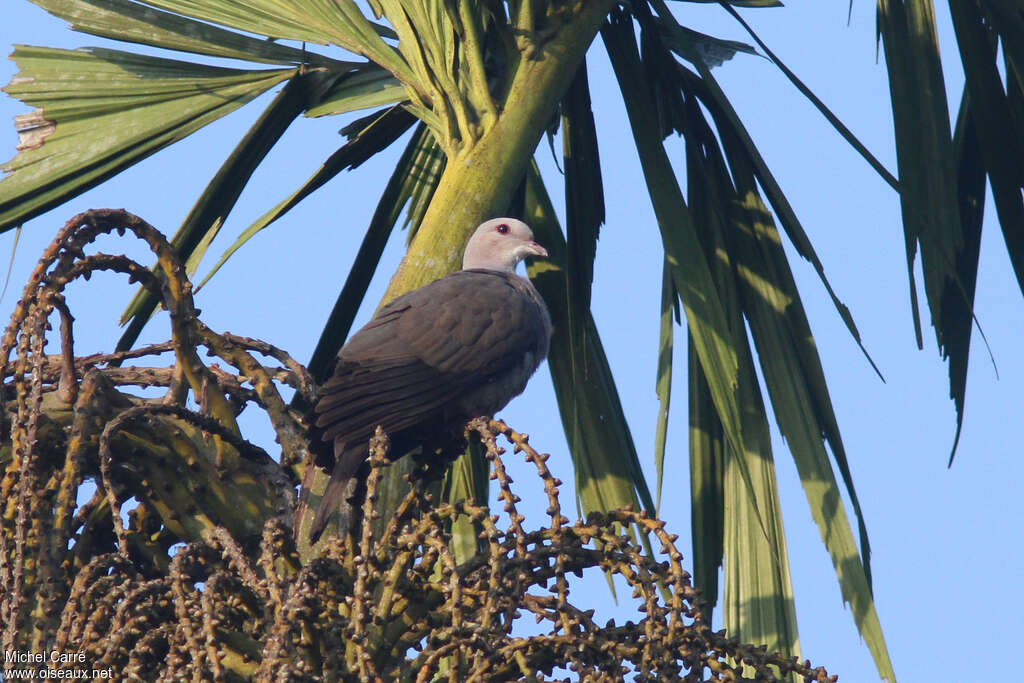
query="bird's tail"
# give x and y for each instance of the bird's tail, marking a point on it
(342, 498)
(337, 500)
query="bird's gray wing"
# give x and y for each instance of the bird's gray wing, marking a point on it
(482, 324)
(422, 352)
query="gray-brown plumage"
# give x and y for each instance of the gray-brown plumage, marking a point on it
(431, 360)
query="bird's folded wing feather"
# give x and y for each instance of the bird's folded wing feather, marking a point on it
(427, 348)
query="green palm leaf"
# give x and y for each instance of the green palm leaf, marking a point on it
(924, 148)
(324, 22)
(802, 428)
(608, 473)
(100, 111)
(136, 22)
(758, 595)
(958, 309)
(367, 136)
(663, 383)
(366, 87)
(411, 184)
(690, 271)
(208, 214)
(714, 98)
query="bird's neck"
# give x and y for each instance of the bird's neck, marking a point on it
(509, 268)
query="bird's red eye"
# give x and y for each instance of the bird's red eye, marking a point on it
(503, 229)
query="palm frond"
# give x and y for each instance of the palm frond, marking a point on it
(366, 137)
(751, 279)
(923, 148)
(608, 473)
(758, 595)
(663, 384)
(99, 111)
(339, 23)
(415, 177)
(137, 22)
(705, 313)
(362, 88)
(958, 308)
(714, 98)
(208, 214)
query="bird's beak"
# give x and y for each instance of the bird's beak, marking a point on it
(534, 249)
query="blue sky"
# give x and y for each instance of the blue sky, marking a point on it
(946, 551)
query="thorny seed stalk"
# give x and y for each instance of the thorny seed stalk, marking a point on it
(204, 580)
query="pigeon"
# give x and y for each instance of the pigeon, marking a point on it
(428, 362)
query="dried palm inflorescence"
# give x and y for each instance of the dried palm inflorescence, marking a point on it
(205, 581)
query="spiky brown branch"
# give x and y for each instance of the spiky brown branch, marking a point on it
(204, 580)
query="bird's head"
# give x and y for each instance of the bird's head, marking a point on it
(500, 244)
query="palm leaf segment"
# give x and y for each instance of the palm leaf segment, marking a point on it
(485, 80)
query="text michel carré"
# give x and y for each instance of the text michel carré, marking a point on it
(55, 657)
